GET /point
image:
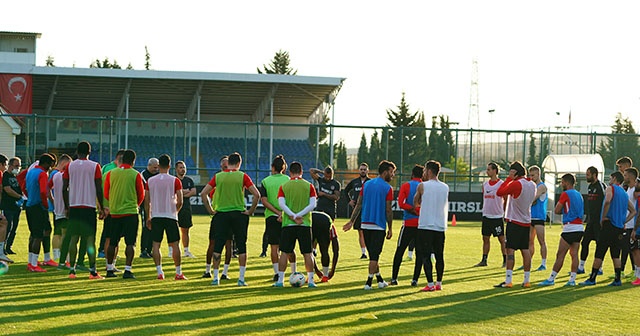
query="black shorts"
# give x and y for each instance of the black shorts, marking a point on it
(291, 234)
(572, 237)
(610, 239)
(225, 225)
(535, 222)
(184, 218)
(517, 236)
(127, 227)
(82, 222)
(321, 228)
(591, 232)
(374, 239)
(429, 241)
(161, 225)
(59, 225)
(273, 228)
(357, 225)
(38, 221)
(492, 226)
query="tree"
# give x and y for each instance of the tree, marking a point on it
(49, 61)
(147, 59)
(623, 141)
(376, 151)
(441, 143)
(106, 64)
(129, 66)
(279, 65)
(407, 136)
(363, 151)
(340, 152)
(317, 137)
(460, 166)
(533, 159)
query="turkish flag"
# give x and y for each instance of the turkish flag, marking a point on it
(16, 93)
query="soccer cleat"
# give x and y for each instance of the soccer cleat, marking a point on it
(160, 276)
(363, 256)
(101, 254)
(428, 288)
(615, 283)
(570, 284)
(504, 285)
(393, 282)
(128, 275)
(636, 282)
(50, 263)
(111, 274)
(312, 285)
(547, 283)
(224, 277)
(263, 255)
(541, 268)
(414, 283)
(62, 267)
(95, 276)
(4, 257)
(145, 255)
(526, 285)
(37, 269)
(481, 264)
(278, 284)
(587, 283)
(206, 275)
(579, 271)
(241, 283)
(367, 287)
(600, 272)
(215, 282)
(180, 277)
(275, 278)
(438, 287)
(72, 275)
(188, 255)
(382, 284)
(324, 279)
(504, 265)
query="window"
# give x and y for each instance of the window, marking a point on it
(20, 50)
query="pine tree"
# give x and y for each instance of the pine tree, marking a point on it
(280, 65)
(49, 61)
(623, 141)
(533, 159)
(376, 151)
(407, 136)
(363, 151)
(147, 59)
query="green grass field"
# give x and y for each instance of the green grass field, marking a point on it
(49, 303)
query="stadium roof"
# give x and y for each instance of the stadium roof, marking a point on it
(173, 94)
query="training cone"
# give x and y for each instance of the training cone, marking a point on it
(453, 220)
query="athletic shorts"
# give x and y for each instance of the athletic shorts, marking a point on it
(492, 226)
(357, 225)
(429, 241)
(291, 234)
(273, 228)
(82, 222)
(226, 225)
(38, 221)
(572, 237)
(517, 236)
(321, 228)
(161, 225)
(374, 240)
(59, 225)
(127, 227)
(610, 239)
(535, 222)
(185, 219)
(591, 232)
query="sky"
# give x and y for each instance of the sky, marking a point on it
(537, 61)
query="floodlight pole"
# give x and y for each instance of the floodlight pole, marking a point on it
(333, 112)
(126, 124)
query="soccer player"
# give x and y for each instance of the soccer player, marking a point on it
(324, 234)
(630, 176)
(377, 216)
(571, 207)
(492, 215)
(10, 204)
(352, 190)
(538, 217)
(124, 189)
(409, 229)
(146, 243)
(593, 208)
(520, 193)
(106, 223)
(163, 200)
(296, 198)
(272, 211)
(433, 197)
(617, 210)
(328, 191)
(231, 215)
(36, 183)
(184, 215)
(82, 193)
(56, 202)
(3, 219)
(635, 242)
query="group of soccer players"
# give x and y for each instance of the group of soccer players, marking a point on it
(610, 214)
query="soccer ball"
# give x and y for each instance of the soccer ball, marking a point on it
(297, 279)
(4, 267)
